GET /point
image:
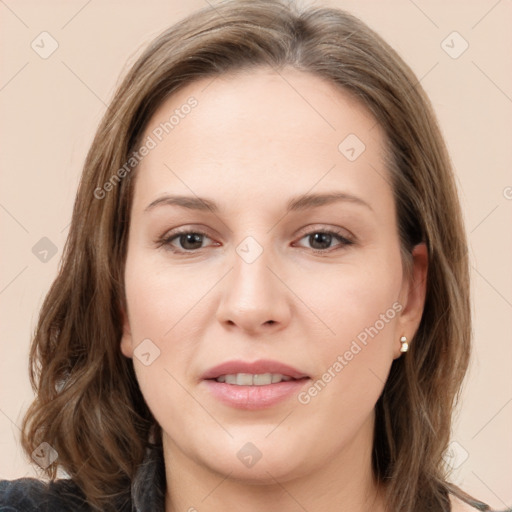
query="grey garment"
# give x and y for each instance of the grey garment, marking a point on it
(146, 493)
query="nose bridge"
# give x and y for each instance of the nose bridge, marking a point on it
(253, 296)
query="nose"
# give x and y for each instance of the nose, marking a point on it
(255, 297)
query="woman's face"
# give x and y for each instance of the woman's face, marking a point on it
(290, 271)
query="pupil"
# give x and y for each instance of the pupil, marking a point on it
(190, 238)
(324, 238)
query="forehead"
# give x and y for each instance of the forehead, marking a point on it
(262, 132)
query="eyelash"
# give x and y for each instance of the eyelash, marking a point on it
(167, 239)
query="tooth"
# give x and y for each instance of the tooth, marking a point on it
(230, 379)
(244, 379)
(248, 379)
(263, 379)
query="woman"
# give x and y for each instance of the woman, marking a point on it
(264, 299)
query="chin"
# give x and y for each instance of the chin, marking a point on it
(259, 462)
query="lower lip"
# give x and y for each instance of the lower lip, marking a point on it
(254, 397)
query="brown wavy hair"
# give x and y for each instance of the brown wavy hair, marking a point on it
(88, 405)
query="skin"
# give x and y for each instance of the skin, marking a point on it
(255, 140)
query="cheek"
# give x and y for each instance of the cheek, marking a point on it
(356, 301)
(165, 306)
(161, 299)
(360, 306)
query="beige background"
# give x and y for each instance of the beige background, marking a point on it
(51, 107)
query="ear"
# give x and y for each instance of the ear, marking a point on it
(412, 298)
(126, 339)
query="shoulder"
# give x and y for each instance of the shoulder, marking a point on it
(31, 495)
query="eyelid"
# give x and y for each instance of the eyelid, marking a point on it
(313, 228)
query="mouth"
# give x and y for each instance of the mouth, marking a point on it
(257, 385)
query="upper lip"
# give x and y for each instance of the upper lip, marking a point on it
(257, 367)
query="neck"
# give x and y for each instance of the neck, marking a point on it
(344, 483)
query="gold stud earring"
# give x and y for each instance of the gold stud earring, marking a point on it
(405, 345)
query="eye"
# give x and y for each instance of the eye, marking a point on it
(190, 241)
(183, 241)
(321, 240)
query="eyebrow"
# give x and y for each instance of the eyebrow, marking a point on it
(299, 203)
